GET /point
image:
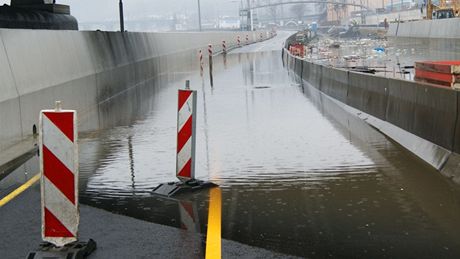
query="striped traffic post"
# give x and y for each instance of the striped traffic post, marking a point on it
(186, 145)
(224, 47)
(261, 37)
(186, 135)
(238, 41)
(59, 179)
(247, 39)
(200, 57)
(59, 186)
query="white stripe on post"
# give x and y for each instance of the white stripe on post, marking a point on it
(59, 176)
(186, 137)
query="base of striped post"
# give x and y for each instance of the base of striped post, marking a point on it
(175, 188)
(73, 250)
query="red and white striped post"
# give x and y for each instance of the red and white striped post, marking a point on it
(185, 152)
(59, 178)
(261, 37)
(210, 50)
(200, 57)
(186, 135)
(247, 39)
(238, 41)
(224, 47)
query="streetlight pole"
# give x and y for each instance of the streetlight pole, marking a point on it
(199, 15)
(122, 19)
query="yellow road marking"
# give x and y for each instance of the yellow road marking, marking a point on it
(213, 238)
(19, 190)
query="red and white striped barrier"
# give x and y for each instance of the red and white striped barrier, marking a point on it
(210, 50)
(200, 57)
(238, 41)
(224, 47)
(59, 179)
(186, 124)
(185, 153)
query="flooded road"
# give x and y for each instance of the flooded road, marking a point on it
(298, 174)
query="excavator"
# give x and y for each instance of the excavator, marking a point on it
(442, 11)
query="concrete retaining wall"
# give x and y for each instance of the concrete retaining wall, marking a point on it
(402, 15)
(433, 29)
(85, 69)
(423, 118)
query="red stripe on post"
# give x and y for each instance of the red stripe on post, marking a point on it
(186, 171)
(64, 121)
(54, 227)
(184, 134)
(59, 174)
(183, 97)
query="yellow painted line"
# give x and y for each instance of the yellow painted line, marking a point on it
(213, 238)
(19, 190)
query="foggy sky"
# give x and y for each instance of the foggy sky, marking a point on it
(101, 10)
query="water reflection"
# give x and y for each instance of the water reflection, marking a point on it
(298, 174)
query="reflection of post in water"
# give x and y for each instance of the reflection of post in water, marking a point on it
(189, 221)
(213, 236)
(252, 67)
(211, 81)
(205, 124)
(131, 162)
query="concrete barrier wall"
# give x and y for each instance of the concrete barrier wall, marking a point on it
(428, 112)
(10, 123)
(441, 29)
(424, 110)
(368, 93)
(85, 69)
(298, 67)
(335, 83)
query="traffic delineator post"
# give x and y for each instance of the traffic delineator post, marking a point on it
(186, 145)
(200, 57)
(238, 41)
(186, 135)
(224, 47)
(247, 39)
(59, 181)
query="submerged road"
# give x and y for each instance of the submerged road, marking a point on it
(298, 174)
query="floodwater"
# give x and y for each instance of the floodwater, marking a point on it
(298, 175)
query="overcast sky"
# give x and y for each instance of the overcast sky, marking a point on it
(98, 10)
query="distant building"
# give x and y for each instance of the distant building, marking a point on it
(229, 23)
(340, 13)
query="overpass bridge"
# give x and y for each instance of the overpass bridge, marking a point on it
(300, 173)
(342, 3)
